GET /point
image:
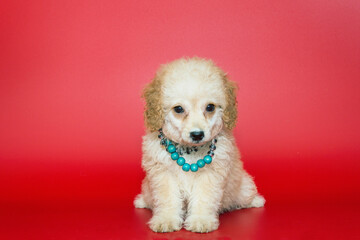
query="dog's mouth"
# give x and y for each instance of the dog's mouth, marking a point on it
(196, 143)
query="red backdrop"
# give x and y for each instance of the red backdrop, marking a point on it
(71, 76)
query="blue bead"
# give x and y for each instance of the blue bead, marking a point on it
(171, 148)
(207, 159)
(167, 142)
(180, 161)
(174, 156)
(200, 163)
(186, 167)
(194, 167)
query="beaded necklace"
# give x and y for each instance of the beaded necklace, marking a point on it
(177, 151)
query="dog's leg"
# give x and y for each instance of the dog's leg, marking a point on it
(248, 195)
(144, 200)
(204, 204)
(139, 202)
(167, 201)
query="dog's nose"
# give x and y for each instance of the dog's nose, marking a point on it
(197, 135)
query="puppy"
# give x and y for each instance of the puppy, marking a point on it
(193, 168)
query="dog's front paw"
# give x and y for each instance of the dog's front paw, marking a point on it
(165, 223)
(202, 223)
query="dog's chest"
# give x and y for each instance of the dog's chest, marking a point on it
(186, 180)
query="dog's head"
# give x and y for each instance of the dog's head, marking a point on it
(191, 100)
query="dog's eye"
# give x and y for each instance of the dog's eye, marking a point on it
(178, 109)
(210, 107)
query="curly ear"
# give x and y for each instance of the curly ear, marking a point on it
(230, 112)
(153, 109)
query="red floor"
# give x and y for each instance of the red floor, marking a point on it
(93, 200)
(104, 221)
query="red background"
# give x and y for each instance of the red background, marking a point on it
(71, 118)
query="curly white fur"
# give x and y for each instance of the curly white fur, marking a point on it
(193, 199)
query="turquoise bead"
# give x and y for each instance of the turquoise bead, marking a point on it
(174, 156)
(207, 159)
(200, 163)
(194, 167)
(186, 167)
(180, 161)
(171, 148)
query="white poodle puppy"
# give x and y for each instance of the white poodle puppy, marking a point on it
(193, 168)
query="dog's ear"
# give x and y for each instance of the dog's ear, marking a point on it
(153, 109)
(230, 112)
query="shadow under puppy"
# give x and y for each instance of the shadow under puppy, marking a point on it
(193, 168)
